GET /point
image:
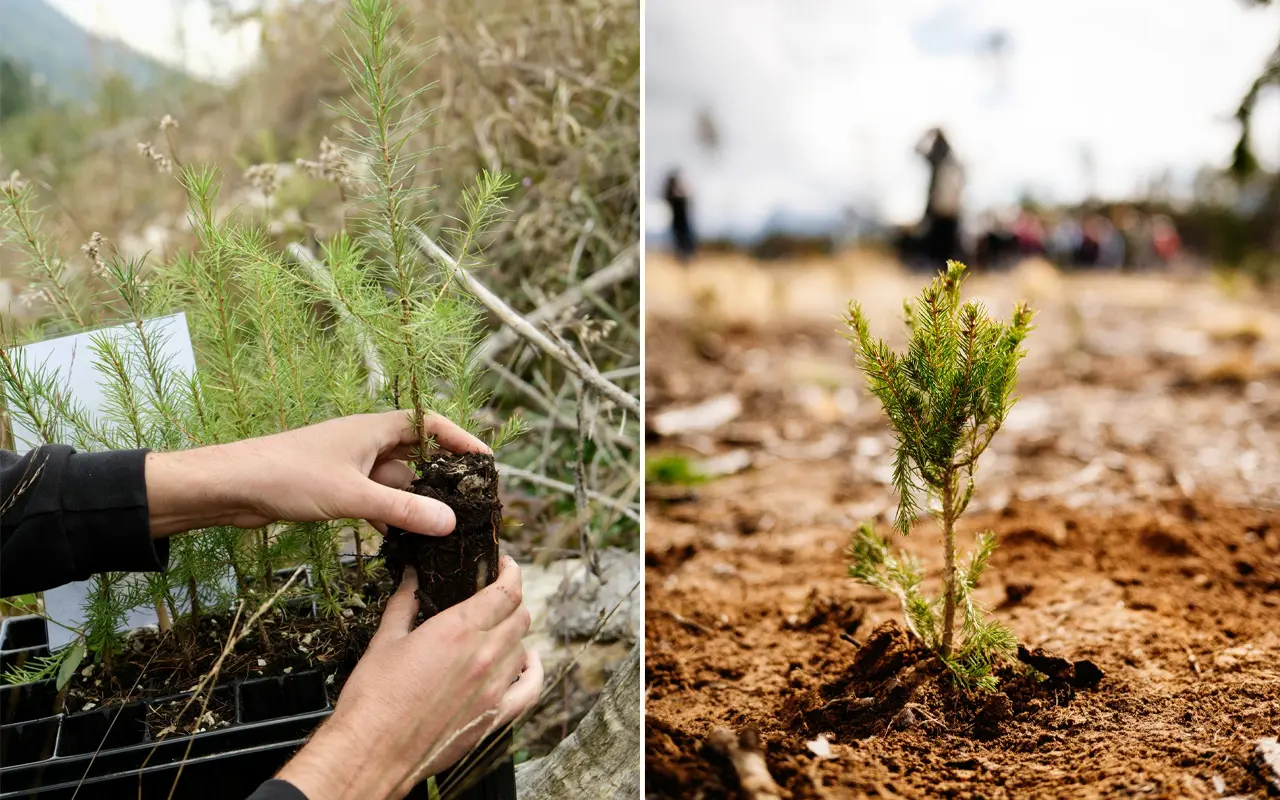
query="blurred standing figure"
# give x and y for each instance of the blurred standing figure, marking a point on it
(1164, 239)
(677, 197)
(942, 207)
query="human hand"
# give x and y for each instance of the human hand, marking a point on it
(421, 698)
(348, 468)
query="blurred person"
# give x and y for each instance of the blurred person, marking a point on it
(677, 196)
(1028, 233)
(1102, 245)
(1065, 241)
(1144, 254)
(941, 223)
(1111, 248)
(1164, 239)
(1089, 251)
(1125, 219)
(996, 243)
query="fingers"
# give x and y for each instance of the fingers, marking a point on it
(396, 474)
(401, 610)
(397, 433)
(496, 602)
(451, 437)
(524, 693)
(402, 509)
(513, 628)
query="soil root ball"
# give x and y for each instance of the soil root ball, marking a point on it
(454, 567)
(889, 647)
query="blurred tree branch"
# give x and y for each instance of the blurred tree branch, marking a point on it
(1243, 162)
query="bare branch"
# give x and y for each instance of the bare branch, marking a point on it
(626, 509)
(319, 274)
(509, 316)
(625, 266)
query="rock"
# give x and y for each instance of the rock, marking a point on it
(1266, 760)
(820, 747)
(728, 463)
(704, 416)
(577, 607)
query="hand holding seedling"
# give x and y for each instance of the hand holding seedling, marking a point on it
(422, 698)
(945, 396)
(349, 468)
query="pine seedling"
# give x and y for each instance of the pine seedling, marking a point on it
(425, 329)
(945, 396)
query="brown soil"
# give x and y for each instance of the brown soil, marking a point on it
(1128, 539)
(177, 718)
(156, 665)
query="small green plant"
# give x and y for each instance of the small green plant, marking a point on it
(672, 469)
(946, 396)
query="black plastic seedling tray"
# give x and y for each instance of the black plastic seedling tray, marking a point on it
(112, 752)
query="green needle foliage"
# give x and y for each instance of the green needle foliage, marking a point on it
(373, 325)
(945, 396)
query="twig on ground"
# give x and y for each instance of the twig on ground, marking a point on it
(685, 621)
(746, 754)
(580, 246)
(580, 486)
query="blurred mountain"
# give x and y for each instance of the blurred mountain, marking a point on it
(69, 61)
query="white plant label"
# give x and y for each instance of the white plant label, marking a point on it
(71, 359)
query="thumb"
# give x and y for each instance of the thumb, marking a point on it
(404, 510)
(402, 608)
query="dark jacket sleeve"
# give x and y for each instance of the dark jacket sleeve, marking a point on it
(278, 790)
(66, 515)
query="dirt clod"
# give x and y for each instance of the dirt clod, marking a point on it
(1082, 674)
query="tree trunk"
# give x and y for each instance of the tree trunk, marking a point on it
(601, 758)
(949, 532)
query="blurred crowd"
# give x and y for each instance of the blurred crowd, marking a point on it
(1089, 236)
(1121, 238)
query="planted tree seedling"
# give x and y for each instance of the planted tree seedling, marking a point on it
(946, 395)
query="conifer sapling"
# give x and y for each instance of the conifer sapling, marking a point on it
(945, 396)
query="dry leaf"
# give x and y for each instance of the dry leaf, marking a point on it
(820, 747)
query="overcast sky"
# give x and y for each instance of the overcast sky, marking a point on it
(819, 104)
(178, 32)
